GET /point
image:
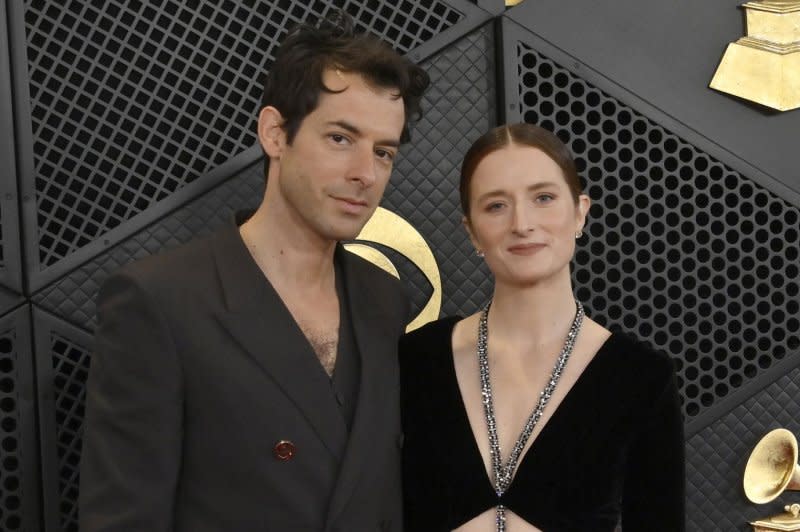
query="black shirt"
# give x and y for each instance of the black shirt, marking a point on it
(347, 369)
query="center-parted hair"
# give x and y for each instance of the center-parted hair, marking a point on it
(295, 80)
(518, 135)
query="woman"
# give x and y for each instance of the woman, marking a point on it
(528, 415)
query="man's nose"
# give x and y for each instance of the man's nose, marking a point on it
(362, 167)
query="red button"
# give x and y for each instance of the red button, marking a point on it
(283, 450)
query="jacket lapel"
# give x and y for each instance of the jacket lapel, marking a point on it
(373, 337)
(256, 317)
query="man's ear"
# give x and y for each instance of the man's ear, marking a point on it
(271, 134)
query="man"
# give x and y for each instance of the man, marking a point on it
(249, 381)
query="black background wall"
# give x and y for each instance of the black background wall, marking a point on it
(130, 129)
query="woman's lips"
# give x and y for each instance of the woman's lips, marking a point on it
(525, 249)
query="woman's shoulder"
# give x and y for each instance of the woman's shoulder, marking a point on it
(645, 368)
(430, 343)
(429, 335)
(637, 354)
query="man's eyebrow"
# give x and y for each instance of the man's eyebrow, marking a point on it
(347, 126)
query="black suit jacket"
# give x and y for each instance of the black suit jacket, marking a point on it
(199, 370)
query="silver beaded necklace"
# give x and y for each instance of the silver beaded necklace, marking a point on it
(504, 474)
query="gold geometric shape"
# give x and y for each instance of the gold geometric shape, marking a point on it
(390, 230)
(764, 66)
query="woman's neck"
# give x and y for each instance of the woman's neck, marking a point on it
(532, 316)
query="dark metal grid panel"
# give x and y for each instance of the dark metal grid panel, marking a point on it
(130, 101)
(62, 355)
(19, 495)
(682, 251)
(9, 300)
(716, 457)
(70, 369)
(459, 107)
(10, 263)
(2, 254)
(73, 295)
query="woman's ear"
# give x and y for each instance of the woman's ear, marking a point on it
(582, 210)
(468, 228)
(271, 134)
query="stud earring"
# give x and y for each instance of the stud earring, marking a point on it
(578, 234)
(479, 253)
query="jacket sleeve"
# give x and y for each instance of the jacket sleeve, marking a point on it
(654, 484)
(132, 433)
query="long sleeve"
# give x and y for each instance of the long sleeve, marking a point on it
(132, 436)
(654, 484)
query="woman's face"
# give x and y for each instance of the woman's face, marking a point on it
(523, 216)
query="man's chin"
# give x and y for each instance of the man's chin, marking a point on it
(345, 232)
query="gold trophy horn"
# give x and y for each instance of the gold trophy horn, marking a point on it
(772, 467)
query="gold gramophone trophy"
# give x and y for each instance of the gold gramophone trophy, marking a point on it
(764, 65)
(771, 469)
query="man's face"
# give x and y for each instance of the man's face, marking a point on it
(333, 174)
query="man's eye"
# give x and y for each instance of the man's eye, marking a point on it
(545, 198)
(494, 207)
(385, 154)
(338, 139)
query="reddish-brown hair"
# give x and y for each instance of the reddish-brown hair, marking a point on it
(519, 135)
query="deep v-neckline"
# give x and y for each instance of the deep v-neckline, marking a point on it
(546, 427)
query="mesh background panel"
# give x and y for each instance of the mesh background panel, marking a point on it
(70, 370)
(423, 190)
(459, 107)
(681, 251)
(73, 295)
(716, 457)
(130, 101)
(11, 459)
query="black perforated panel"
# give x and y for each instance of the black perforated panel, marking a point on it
(130, 101)
(10, 438)
(681, 251)
(19, 460)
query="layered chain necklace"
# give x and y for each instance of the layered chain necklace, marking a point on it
(504, 473)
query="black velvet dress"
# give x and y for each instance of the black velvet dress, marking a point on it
(612, 450)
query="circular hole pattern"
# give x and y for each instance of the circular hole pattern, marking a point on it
(682, 252)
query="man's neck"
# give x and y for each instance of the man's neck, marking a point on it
(288, 256)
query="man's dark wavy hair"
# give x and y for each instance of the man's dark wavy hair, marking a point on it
(294, 83)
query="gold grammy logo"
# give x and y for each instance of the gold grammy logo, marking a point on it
(388, 229)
